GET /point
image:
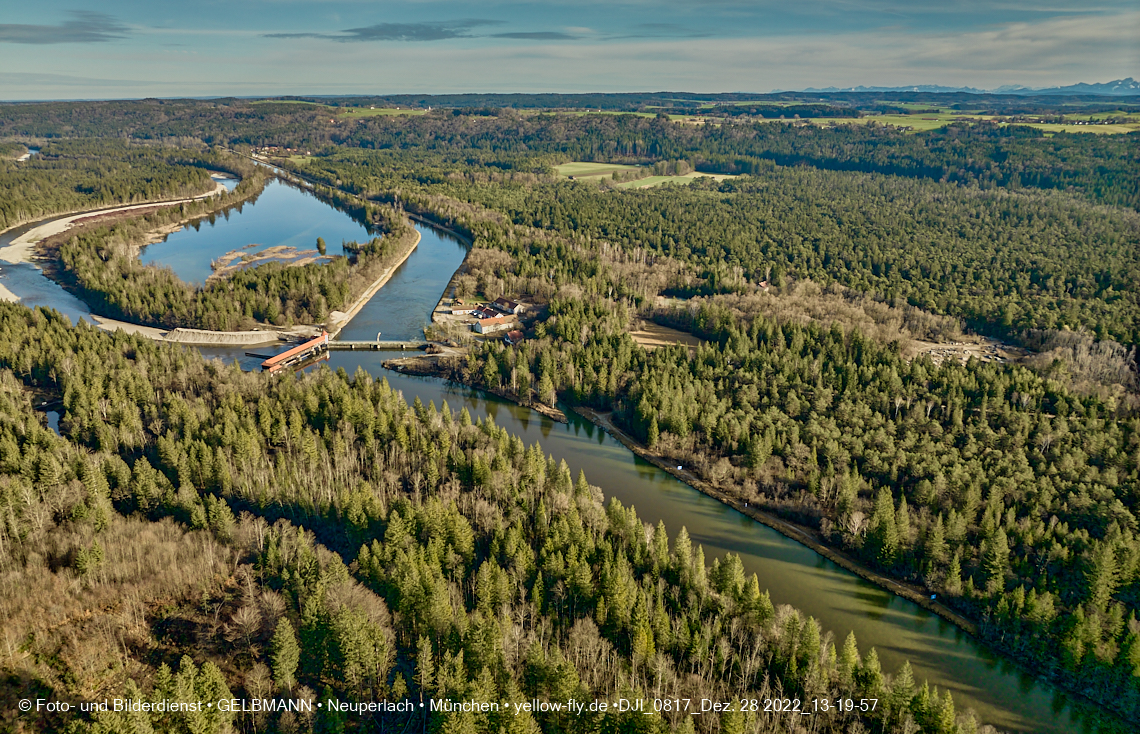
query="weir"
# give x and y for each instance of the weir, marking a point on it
(376, 345)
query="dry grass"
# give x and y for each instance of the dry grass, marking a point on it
(807, 302)
(652, 336)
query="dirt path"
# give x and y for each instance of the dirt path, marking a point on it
(21, 248)
(798, 533)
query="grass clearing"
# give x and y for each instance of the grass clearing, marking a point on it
(645, 183)
(1097, 129)
(376, 111)
(653, 336)
(582, 169)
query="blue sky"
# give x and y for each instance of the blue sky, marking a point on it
(129, 48)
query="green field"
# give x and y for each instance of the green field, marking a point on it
(586, 169)
(645, 183)
(375, 111)
(590, 171)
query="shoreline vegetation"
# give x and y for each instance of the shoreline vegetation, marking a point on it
(800, 533)
(100, 265)
(433, 365)
(59, 223)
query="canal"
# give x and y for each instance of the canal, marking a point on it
(999, 693)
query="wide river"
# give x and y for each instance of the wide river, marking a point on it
(999, 692)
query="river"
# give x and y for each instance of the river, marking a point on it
(999, 693)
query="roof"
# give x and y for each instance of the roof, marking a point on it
(299, 349)
(515, 336)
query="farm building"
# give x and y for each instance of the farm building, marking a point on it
(514, 337)
(494, 324)
(508, 306)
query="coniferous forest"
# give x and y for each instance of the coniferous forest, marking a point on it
(200, 532)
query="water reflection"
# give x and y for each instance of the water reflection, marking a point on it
(281, 215)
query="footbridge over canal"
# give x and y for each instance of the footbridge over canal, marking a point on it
(315, 348)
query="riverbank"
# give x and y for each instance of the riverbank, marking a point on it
(21, 249)
(798, 533)
(431, 366)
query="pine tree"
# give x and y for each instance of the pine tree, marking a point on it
(683, 556)
(1102, 577)
(425, 666)
(284, 654)
(652, 434)
(849, 661)
(902, 523)
(884, 531)
(995, 561)
(871, 674)
(954, 575)
(936, 542)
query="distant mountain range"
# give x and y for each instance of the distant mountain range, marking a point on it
(1120, 87)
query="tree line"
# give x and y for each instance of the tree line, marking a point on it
(78, 175)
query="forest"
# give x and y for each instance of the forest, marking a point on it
(1003, 261)
(1010, 496)
(986, 155)
(331, 540)
(79, 175)
(1002, 489)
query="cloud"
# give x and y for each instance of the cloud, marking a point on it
(435, 31)
(14, 79)
(83, 27)
(537, 36)
(664, 30)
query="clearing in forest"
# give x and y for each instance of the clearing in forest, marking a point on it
(586, 169)
(651, 336)
(644, 183)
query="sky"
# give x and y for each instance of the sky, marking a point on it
(63, 49)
